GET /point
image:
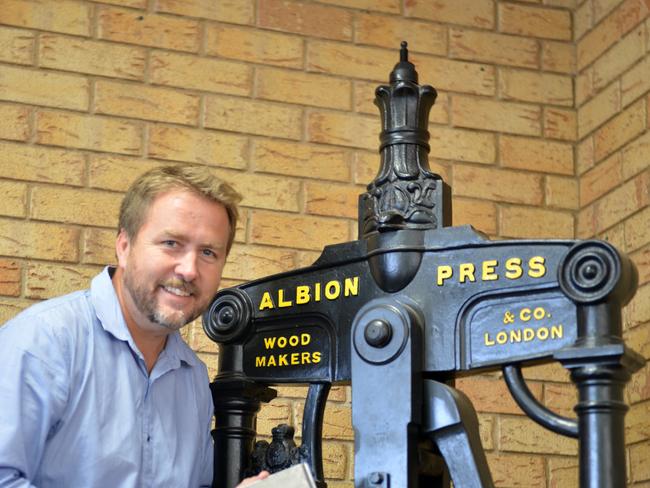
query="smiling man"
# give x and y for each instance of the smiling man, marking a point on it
(97, 387)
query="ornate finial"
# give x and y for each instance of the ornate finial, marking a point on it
(405, 194)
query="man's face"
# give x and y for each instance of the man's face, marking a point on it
(171, 270)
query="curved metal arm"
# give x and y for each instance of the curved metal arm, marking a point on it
(312, 428)
(535, 410)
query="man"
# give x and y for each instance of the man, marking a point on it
(97, 389)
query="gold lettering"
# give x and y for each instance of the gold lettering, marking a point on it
(444, 272)
(282, 360)
(295, 358)
(539, 313)
(488, 341)
(536, 267)
(515, 335)
(529, 334)
(317, 292)
(302, 294)
(305, 358)
(542, 333)
(466, 272)
(557, 331)
(282, 342)
(351, 286)
(271, 361)
(282, 303)
(267, 301)
(502, 337)
(513, 268)
(305, 339)
(524, 315)
(269, 342)
(260, 361)
(315, 357)
(332, 290)
(293, 340)
(488, 270)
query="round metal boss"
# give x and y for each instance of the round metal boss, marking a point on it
(380, 331)
(228, 317)
(589, 271)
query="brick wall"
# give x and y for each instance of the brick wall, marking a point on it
(541, 128)
(612, 98)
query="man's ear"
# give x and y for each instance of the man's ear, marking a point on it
(122, 248)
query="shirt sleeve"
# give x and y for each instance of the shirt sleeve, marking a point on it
(33, 398)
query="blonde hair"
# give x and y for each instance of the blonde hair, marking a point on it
(196, 179)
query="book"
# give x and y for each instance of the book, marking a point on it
(298, 476)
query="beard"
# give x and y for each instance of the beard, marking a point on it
(147, 304)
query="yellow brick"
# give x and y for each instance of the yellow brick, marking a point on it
(16, 45)
(615, 236)
(334, 460)
(620, 130)
(640, 467)
(68, 16)
(638, 312)
(14, 122)
(145, 102)
(582, 19)
(561, 192)
(332, 200)
(598, 110)
(535, 21)
(197, 340)
(264, 191)
(188, 71)
(98, 246)
(379, 30)
(536, 155)
(90, 207)
(253, 117)
(337, 421)
(343, 129)
(636, 81)
(92, 57)
(136, 27)
(641, 259)
(637, 427)
(547, 372)
(517, 118)
(530, 86)
(560, 124)
(271, 415)
(197, 146)
(253, 262)
(516, 222)
(639, 387)
(352, 61)
(489, 395)
(517, 471)
(14, 198)
(486, 429)
(50, 280)
(493, 48)
(88, 132)
(475, 13)
(619, 58)
(562, 472)
(9, 308)
(584, 86)
(38, 87)
(390, 6)
(637, 230)
(585, 155)
(520, 434)
(10, 271)
(479, 214)
(115, 172)
(128, 3)
(610, 30)
(462, 145)
(602, 8)
(635, 155)
(586, 223)
(497, 185)
(234, 11)
(622, 202)
(255, 46)
(600, 179)
(37, 240)
(21, 162)
(558, 56)
(306, 19)
(298, 231)
(305, 160)
(303, 88)
(459, 76)
(561, 398)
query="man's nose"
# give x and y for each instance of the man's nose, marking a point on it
(186, 267)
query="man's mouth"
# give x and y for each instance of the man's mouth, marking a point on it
(178, 288)
(177, 291)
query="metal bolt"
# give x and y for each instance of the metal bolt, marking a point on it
(376, 478)
(225, 316)
(378, 333)
(590, 271)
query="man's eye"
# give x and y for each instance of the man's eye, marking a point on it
(209, 253)
(170, 243)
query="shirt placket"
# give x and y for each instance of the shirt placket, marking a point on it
(147, 436)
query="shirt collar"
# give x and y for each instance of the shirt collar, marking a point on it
(108, 311)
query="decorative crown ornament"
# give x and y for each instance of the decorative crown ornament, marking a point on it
(405, 194)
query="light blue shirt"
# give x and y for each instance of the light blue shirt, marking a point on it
(78, 409)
